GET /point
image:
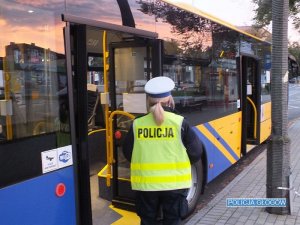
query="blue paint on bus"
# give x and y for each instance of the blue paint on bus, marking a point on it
(34, 202)
(213, 156)
(222, 141)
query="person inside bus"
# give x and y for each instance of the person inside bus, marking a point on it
(161, 146)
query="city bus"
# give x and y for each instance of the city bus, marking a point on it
(72, 81)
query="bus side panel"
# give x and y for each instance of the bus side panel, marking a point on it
(229, 129)
(34, 202)
(266, 123)
(222, 142)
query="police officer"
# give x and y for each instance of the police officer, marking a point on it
(161, 147)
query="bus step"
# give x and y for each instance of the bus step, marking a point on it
(126, 204)
(252, 141)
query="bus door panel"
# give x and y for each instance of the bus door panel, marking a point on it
(37, 175)
(132, 64)
(76, 62)
(32, 186)
(250, 101)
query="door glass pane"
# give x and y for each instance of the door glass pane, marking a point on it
(132, 66)
(130, 71)
(250, 76)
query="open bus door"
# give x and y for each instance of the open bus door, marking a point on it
(132, 63)
(251, 102)
(129, 57)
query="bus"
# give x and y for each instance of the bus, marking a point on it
(72, 82)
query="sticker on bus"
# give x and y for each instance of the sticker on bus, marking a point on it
(56, 158)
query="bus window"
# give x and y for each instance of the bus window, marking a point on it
(200, 57)
(187, 46)
(35, 84)
(36, 88)
(224, 83)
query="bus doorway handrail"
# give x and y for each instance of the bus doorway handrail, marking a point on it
(255, 117)
(109, 142)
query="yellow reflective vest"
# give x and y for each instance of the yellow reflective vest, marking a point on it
(159, 159)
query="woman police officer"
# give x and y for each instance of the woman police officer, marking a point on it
(161, 147)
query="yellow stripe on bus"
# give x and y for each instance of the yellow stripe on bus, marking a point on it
(219, 146)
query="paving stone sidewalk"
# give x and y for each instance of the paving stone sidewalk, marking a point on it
(251, 183)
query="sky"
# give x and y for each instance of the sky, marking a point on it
(236, 12)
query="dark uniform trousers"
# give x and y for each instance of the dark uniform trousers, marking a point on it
(173, 203)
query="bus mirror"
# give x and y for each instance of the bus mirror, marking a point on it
(6, 107)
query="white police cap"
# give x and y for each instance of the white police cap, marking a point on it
(159, 87)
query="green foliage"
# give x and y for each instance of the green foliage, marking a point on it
(263, 12)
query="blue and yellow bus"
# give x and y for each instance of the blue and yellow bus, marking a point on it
(71, 82)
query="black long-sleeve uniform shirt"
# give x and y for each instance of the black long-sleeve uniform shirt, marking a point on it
(191, 142)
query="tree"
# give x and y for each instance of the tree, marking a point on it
(263, 12)
(278, 150)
